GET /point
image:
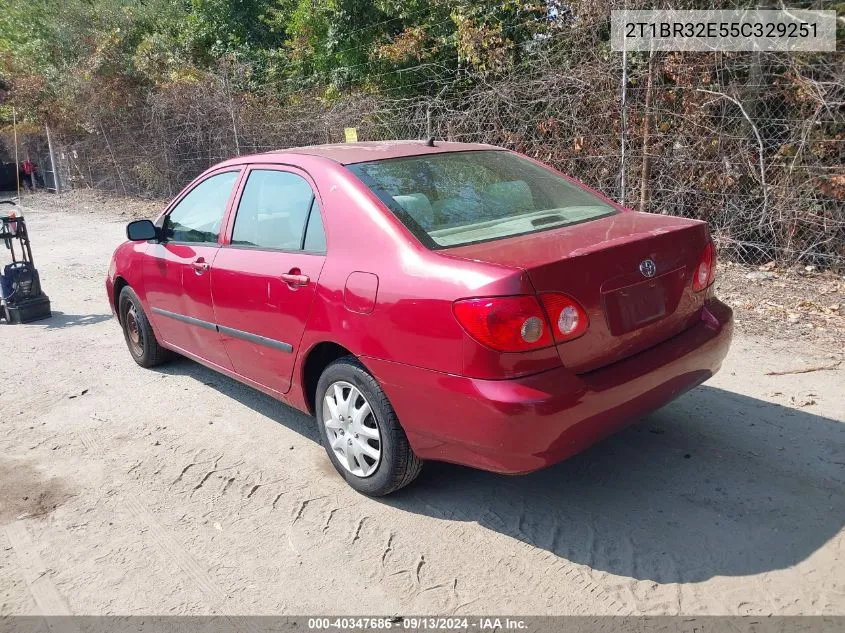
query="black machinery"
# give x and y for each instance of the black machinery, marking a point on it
(20, 287)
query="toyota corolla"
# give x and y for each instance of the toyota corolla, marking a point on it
(425, 301)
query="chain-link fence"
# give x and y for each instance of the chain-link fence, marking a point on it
(753, 143)
(35, 148)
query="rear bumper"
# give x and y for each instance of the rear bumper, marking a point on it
(521, 425)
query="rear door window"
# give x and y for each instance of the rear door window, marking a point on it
(315, 234)
(274, 211)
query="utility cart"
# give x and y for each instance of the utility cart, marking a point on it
(21, 295)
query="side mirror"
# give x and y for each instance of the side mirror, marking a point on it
(141, 231)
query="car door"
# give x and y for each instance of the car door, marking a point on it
(264, 279)
(177, 271)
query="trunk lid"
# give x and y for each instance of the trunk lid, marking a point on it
(598, 264)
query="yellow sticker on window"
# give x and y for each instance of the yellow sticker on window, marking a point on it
(351, 134)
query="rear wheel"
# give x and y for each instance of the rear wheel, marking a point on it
(360, 431)
(139, 335)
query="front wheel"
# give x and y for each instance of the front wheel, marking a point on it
(360, 431)
(139, 335)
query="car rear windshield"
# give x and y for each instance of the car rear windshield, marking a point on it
(458, 198)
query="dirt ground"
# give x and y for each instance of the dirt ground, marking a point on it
(180, 491)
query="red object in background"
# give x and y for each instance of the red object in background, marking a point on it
(506, 354)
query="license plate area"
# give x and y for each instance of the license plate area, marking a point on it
(637, 305)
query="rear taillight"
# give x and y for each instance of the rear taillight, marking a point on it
(567, 317)
(505, 324)
(705, 270)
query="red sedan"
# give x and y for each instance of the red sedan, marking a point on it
(440, 301)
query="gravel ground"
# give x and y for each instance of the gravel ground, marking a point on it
(800, 305)
(180, 491)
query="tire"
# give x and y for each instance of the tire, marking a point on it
(137, 331)
(397, 465)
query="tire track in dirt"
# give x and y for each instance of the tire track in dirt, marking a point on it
(386, 556)
(320, 521)
(538, 540)
(160, 536)
(90, 443)
(382, 555)
(36, 574)
(389, 558)
(323, 523)
(167, 543)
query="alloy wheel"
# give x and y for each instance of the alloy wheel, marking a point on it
(352, 429)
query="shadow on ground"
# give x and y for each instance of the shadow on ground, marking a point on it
(259, 402)
(60, 320)
(715, 484)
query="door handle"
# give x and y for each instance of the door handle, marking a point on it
(295, 278)
(199, 265)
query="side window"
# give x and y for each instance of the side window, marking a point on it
(273, 210)
(198, 216)
(315, 236)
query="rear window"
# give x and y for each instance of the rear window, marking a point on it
(458, 198)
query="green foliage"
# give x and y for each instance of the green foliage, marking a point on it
(60, 55)
(212, 29)
(66, 59)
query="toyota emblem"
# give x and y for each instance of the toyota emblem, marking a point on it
(647, 268)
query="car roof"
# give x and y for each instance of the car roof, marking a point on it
(349, 153)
